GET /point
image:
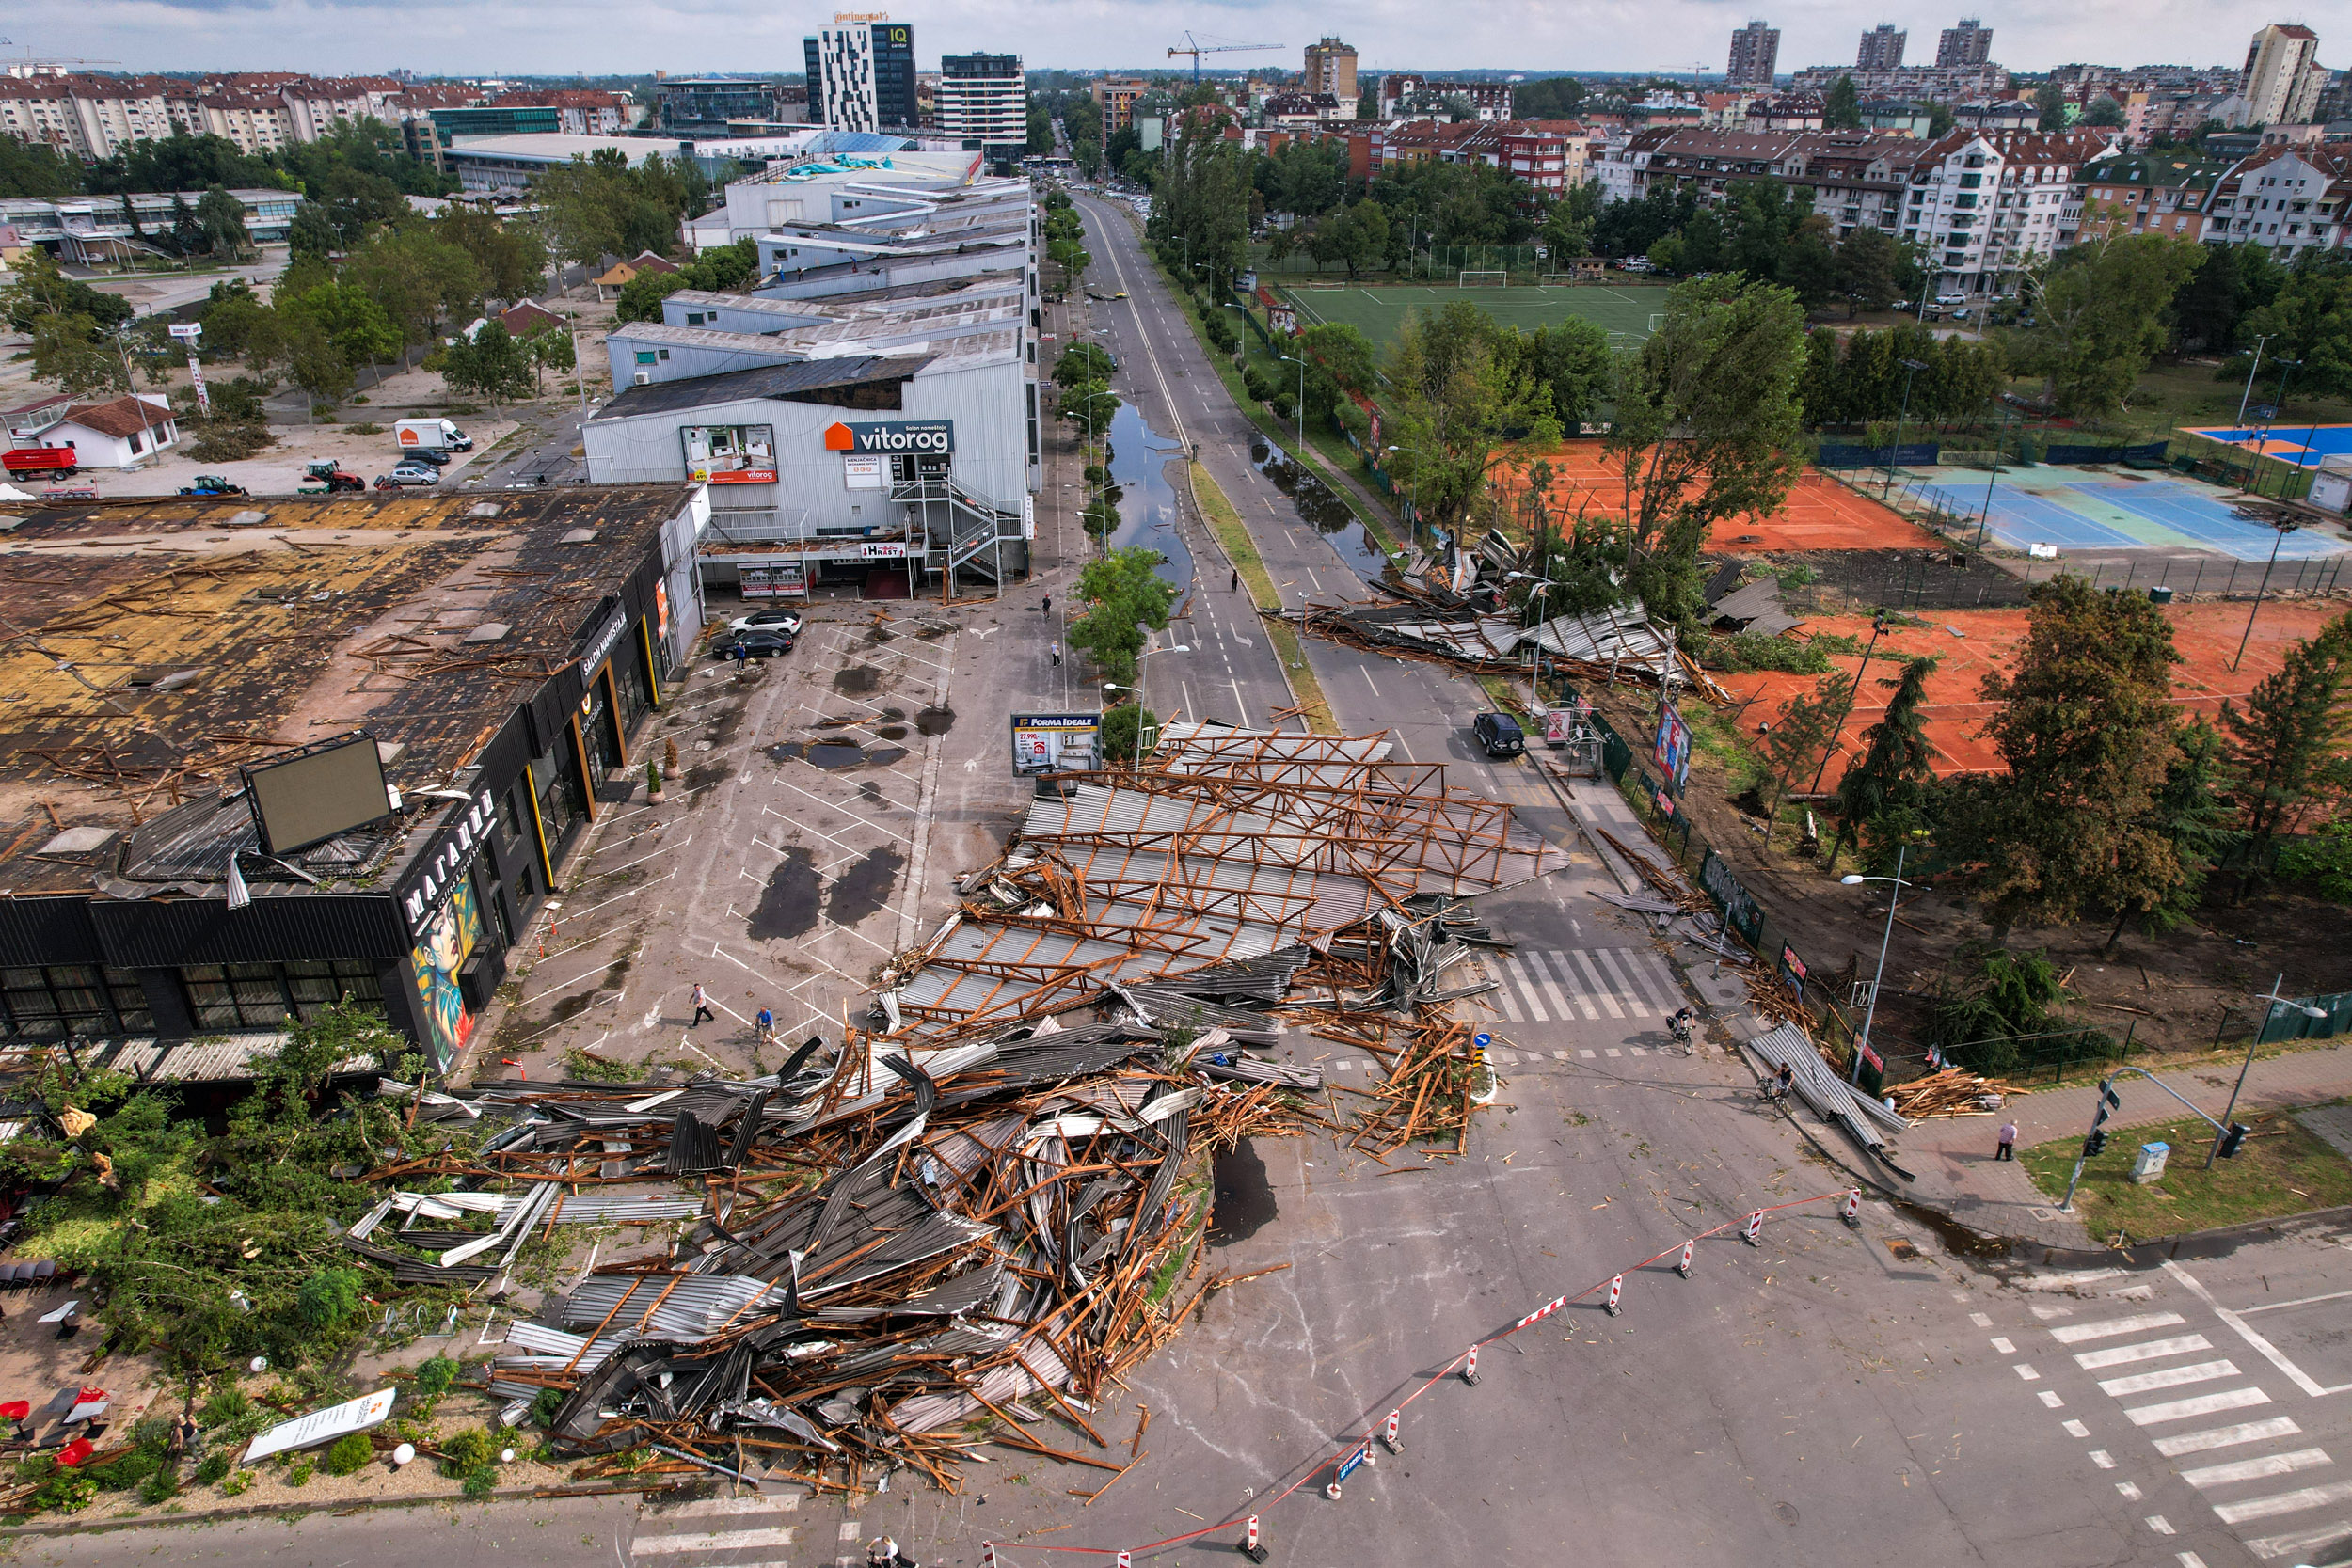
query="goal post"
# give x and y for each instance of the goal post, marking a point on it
(1474, 278)
(1328, 286)
(1657, 320)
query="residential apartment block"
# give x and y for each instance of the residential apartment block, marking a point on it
(983, 98)
(2287, 198)
(1489, 101)
(1117, 96)
(2282, 78)
(1882, 49)
(1970, 43)
(1982, 204)
(1755, 53)
(861, 76)
(95, 117)
(2149, 193)
(1330, 67)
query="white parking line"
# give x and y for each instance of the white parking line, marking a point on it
(718, 1541)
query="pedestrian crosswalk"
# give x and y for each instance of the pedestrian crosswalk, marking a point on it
(1545, 986)
(691, 1535)
(2239, 1482)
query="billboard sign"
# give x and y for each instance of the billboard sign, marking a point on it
(311, 796)
(1054, 742)
(322, 1426)
(888, 550)
(730, 453)
(1671, 746)
(862, 473)
(893, 435)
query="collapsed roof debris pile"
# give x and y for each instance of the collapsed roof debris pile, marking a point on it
(1462, 621)
(976, 1211)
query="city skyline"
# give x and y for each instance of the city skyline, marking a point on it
(605, 37)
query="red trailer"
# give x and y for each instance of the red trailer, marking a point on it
(27, 461)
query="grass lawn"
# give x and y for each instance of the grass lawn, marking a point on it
(2282, 1169)
(1624, 309)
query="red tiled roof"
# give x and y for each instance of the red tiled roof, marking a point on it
(124, 417)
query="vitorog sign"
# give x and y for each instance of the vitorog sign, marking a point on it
(893, 435)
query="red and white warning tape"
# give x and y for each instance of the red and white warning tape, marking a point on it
(1338, 1465)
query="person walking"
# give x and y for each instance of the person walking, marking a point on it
(702, 1006)
(2007, 1135)
(766, 1025)
(1055, 646)
(1234, 586)
(1049, 603)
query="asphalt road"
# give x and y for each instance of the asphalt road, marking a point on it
(1844, 1399)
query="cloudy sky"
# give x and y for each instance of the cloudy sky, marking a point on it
(479, 37)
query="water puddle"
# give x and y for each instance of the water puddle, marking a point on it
(1146, 500)
(882, 757)
(836, 754)
(935, 720)
(863, 888)
(788, 905)
(892, 732)
(857, 680)
(1319, 509)
(1244, 1198)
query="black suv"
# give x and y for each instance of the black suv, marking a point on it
(1500, 734)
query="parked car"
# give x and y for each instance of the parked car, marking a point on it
(1500, 734)
(772, 618)
(1948, 299)
(426, 455)
(755, 645)
(408, 474)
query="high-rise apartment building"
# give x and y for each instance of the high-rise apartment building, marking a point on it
(862, 78)
(1970, 43)
(983, 98)
(1116, 96)
(1882, 49)
(2280, 82)
(1331, 68)
(1754, 51)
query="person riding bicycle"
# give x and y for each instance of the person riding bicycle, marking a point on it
(1785, 1082)
(1681, 1023)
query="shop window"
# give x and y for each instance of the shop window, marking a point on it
(58, 1001)
(267, 995)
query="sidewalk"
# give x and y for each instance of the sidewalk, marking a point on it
(1957, 1174)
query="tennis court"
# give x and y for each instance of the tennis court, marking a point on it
(2304, 448)
(2065, 507)
(1379, 310)
(1819, 514)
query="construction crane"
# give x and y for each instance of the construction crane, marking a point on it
(1193, 47)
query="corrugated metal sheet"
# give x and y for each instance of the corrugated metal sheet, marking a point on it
(623, 1209)
(677, 1307)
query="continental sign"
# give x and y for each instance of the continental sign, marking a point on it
(893, 435)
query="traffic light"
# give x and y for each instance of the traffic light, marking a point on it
(2232, 1138)
(2095, 1144)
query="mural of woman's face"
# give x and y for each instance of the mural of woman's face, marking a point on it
(441, 942)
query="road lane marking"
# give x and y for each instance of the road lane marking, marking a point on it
(2285, 1502)
(2074, 1333)
(2203, 1404)
(2229, 1436)
(2150, 1349)
(2169, 1377)
(2256, 1470)
(2263, 1347)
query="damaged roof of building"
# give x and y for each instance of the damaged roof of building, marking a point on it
(151, 647)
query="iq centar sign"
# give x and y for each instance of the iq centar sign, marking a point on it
(893, 435)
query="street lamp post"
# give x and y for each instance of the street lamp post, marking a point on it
(1894, 897)
(1302, 401)
(1878, 629)
(2000, 435)
(1912, 369)
(2284, 527)
(2243, 1067)
(1241, 344)
(2243, 397)
(2278, 405)
(1543, 586)
(1410, 487)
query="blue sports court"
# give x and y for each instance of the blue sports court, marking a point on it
(2079, 512)
(2305, 445)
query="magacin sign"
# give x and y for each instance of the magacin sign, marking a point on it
(894, 435)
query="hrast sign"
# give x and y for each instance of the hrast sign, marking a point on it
(893, 435)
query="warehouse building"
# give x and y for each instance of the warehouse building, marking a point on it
(263, 754)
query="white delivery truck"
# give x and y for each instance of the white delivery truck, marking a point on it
(438, 435)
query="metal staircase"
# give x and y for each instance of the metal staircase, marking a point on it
(964, 526)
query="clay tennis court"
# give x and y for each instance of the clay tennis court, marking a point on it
(1819, 514)
(1967, 643)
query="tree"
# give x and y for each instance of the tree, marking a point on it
(2087, 727)
(313, 232)
(2049, 101)
(352, 321)
(1894, 769)
(2310, 321)
(2284, 747)
(1842, 109)
(550, 346)
(2193, 813)
(1865, 270)
(1124, 597)
(490, 364)
(2105, 112)
(2210, 309)
(1940, 120)
(1707, 416)
(72, 325)
(1123, 728)
(2103, 313)
(36, 169)
(1463, 403)
(220, 219)
(1573, 361)
(419, 278)
(1797, 740)
(510, 258)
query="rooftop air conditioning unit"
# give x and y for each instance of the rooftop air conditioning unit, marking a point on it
(642, 378)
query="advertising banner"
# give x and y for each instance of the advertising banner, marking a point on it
(1051, 742)
(893, 435)
(1671, 746)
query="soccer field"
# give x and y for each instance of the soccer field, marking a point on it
(1624, 311)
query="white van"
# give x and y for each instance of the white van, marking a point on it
(438, 435)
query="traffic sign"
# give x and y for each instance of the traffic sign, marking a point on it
(1481, 1041)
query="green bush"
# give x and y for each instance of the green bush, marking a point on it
(545, 1403)
(434, 1377)
(236, 1483)
(468, 1451)
(481, 1481)
(299, 1472)
(214, 1467)
(349, 1454)
(161, 1487)
(1750, 650)
(2324, 860)
(330, 1297)
(226, 1403)
(67, 1491)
